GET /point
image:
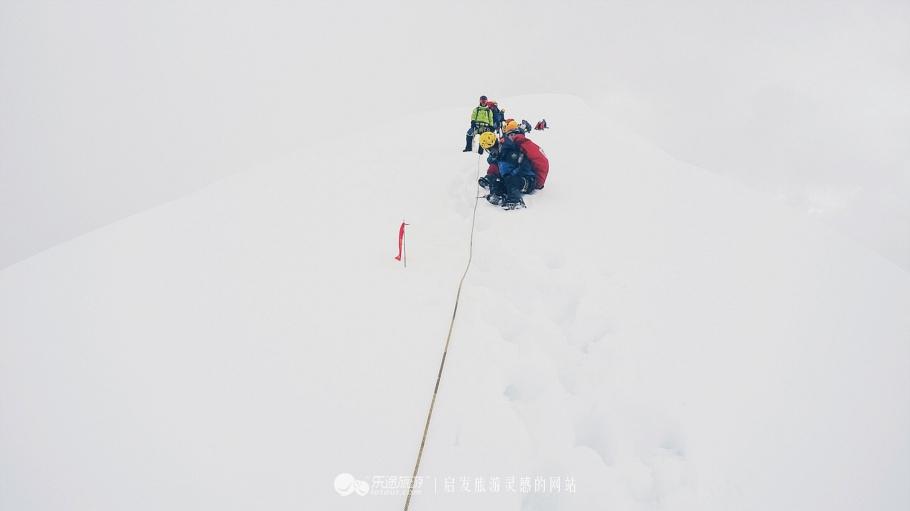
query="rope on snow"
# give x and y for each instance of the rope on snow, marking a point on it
(445, 351)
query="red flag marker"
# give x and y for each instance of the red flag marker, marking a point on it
(401, 246)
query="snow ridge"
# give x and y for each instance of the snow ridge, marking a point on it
(658, 336)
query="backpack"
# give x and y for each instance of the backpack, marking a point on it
(498, 115)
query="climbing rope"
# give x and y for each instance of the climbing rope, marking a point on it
(445, 351)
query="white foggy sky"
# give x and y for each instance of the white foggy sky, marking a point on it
(108, 108)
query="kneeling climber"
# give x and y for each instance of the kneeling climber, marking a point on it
(517, 166)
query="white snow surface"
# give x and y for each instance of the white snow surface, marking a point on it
(662, 336)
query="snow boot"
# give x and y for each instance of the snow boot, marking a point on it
(469, 141)
(492, 183)
(513, 202)
(494, 199)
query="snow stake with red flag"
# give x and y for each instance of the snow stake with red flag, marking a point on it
(402, 248)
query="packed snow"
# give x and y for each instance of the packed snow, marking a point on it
(645, 335)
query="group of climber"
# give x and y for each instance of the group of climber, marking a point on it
(516, 164)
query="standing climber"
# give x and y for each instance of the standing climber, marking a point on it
(481, 122)
(498, 116)
(517, 166)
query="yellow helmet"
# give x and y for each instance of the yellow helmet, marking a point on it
(511, 126)
(487, 139)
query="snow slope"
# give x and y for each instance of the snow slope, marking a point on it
(111, 108)
(660, 336)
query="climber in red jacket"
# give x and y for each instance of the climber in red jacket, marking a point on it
(517, 166)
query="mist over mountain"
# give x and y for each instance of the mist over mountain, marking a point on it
(111, 108)
(704, 309)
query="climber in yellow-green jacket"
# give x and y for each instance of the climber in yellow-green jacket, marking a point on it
(481, 122)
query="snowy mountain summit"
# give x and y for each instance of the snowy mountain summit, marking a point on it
(645, 335)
